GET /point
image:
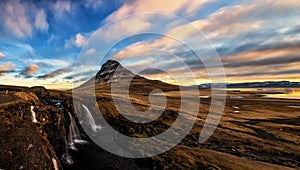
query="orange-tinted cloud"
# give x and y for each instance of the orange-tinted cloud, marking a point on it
(7, 67)
(164, 6)
(53, 74)
(30, 69)
(263, 54)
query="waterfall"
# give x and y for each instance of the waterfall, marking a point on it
(72, 139)
(66, 158)
(55, 165)
(33, 114)
(74, 134)
(91, 120)
(71, 143)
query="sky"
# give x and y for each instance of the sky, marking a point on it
(61, 44)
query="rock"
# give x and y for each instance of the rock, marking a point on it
(16, 134)
(40, 91)
(25, 145)
(27, 96)
(29, 147)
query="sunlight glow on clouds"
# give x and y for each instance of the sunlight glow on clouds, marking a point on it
(29, 70)
(6, 68)
(40, 40)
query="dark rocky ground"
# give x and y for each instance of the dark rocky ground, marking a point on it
(24, 144)
(264, 134)
(28, 145)
(22, 147)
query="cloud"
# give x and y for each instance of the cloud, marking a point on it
(270, 56)
(250, 36)
(77, 41)
(134, 48)
(29, 70)
(80, 40)
(90, 51)
(265, 73)
(52, 38)
(94, 4)
(272, 63)
(82, 80)
(15, 19)
(2, 56)
(52, 74)
(151, 71)
(79, 75)
(256, 15)
(142, 22)
(21, 18)
(6, 68)
(60, 7)
(164, 6)
(41, 20)
(246, 35)
(3, 73)
(129, 26)
(50, 62)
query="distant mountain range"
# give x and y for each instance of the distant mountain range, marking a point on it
(267, 84)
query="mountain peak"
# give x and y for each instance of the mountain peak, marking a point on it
(112, 70)
(109, 65)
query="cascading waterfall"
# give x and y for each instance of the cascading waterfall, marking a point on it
(73, 139)
(74, 134)
(33, 115)
(90, 120)
(66, 158)
(71, 143)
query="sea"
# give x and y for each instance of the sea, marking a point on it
(287, 93)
